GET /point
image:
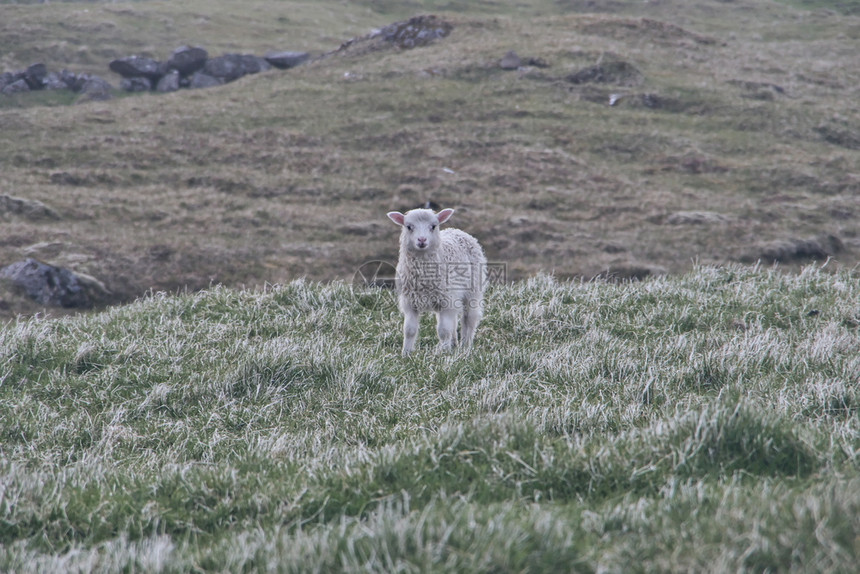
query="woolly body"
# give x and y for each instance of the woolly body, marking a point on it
(440, 271)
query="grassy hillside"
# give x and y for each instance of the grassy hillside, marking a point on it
(736, 138)
(705, 422)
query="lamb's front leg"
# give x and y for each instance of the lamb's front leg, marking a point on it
(446, 328)
(410, 330)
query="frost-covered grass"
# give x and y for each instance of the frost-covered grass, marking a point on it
(707, 422)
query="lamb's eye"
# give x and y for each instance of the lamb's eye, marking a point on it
(432, 228)
(409, 227)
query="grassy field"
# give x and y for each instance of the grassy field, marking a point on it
(706, 422)
(736, 138)
(240, 418)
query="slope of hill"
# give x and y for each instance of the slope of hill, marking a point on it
(734, 136)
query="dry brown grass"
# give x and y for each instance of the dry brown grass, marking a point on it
(746, 112)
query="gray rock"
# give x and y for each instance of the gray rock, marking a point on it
(231, 67)
(95, 89)
(16, 87)
(186, 60)
(72, 80)
(255, 64)
(286, 60)
(55, 286)
(136, 84)
(35, 76)
(201, 80)
(416, 32)
(226, 68)
(169, 83)
(510, 61)
(7, 78)
(27, 208)
(136, 67)
(53, 81)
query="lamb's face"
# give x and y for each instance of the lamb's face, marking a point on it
(420, 228)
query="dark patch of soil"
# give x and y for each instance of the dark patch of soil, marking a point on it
(690, 163)
(646, 29)
(630, 272)
(695, 218)
(763, 91)
(796, 250)
(617, 72)
(841, 136)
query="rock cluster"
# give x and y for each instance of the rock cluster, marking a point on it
(187, 67)
(413, 33)
(37, 77)
(191, 67)
(416, 32)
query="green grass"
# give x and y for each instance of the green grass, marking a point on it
(704, 422)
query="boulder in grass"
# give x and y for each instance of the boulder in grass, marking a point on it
(27, 208)
(255, 64)
(53, 81)
(286, 60)
(74, 81)
(168, 83)
(7, 78)
(226, 68)
(510, 61)
(136, 67)
(231, 67)
(16, 87)
(202, 80)
(187, 59)
(416, 32)
(136, 84)
(54, 286)
(35, 76)
(95, 89)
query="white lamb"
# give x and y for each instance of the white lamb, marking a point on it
(440, 271)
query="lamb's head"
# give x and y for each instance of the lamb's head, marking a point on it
(420, 228)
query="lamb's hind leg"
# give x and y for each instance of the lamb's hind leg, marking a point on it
(471, 317)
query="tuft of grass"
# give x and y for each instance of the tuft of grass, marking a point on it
(704, 422)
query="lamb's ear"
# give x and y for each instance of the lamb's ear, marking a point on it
(444, 215)
(396, 217)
